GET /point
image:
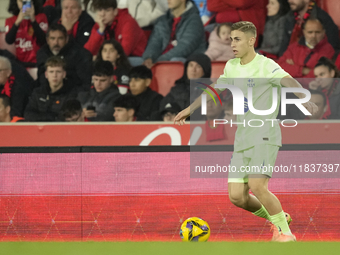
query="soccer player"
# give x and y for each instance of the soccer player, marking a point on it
(258, 145)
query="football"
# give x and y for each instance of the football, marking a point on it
(194, 229)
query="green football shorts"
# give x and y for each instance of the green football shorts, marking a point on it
(259, 159)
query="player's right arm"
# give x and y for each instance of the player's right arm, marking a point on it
(183, 115)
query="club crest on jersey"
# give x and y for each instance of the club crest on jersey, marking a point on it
(250, 83)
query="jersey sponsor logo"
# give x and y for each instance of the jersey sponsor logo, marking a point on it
(24, 45)
(276, 70)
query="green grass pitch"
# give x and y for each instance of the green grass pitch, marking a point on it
(171, 248)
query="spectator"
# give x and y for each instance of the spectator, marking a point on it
(114, 23)
(169, 112)
(318, 98)
(78, 60)
(71, 111)
(220, 43)
(301, 10)
(328, 81)
(11, 87)
(149, 100)
(5, 110)
(203, 9)
(19, 71)
(78, 23)
(146, 12)
(46, 101)
(301, 57)
(176, 35)
(112, 51)
(274, 27)
(26, 29)
(125, 108)
(98, 102)
(197, 66)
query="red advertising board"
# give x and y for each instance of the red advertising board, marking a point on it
(111, 134)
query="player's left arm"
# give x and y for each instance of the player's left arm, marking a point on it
(290, 82)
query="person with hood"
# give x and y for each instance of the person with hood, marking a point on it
(176, 35)
(197, 66)
(47, 100)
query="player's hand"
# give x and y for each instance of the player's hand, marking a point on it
(30, 13)
(290, 62)
(311, 107)
(181, 116)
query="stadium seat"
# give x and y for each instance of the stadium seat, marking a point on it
(165, 73)
(217, 68)
(4, 45)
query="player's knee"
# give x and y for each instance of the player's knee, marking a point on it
(238, 199)
(258, 189)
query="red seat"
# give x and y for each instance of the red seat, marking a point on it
(5, 46)
(165, 73)
(217, 68)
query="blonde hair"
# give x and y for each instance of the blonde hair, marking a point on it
(245, 27)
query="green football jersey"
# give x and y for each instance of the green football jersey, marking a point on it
(262, 75)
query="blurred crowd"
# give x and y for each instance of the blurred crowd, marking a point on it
(92, 60)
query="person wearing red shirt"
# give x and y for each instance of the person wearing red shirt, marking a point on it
(301, 57)
(328, 82)
(27, 30)
(117, 24)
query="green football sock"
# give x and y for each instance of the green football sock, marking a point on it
(280, 221)
(263, 213)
